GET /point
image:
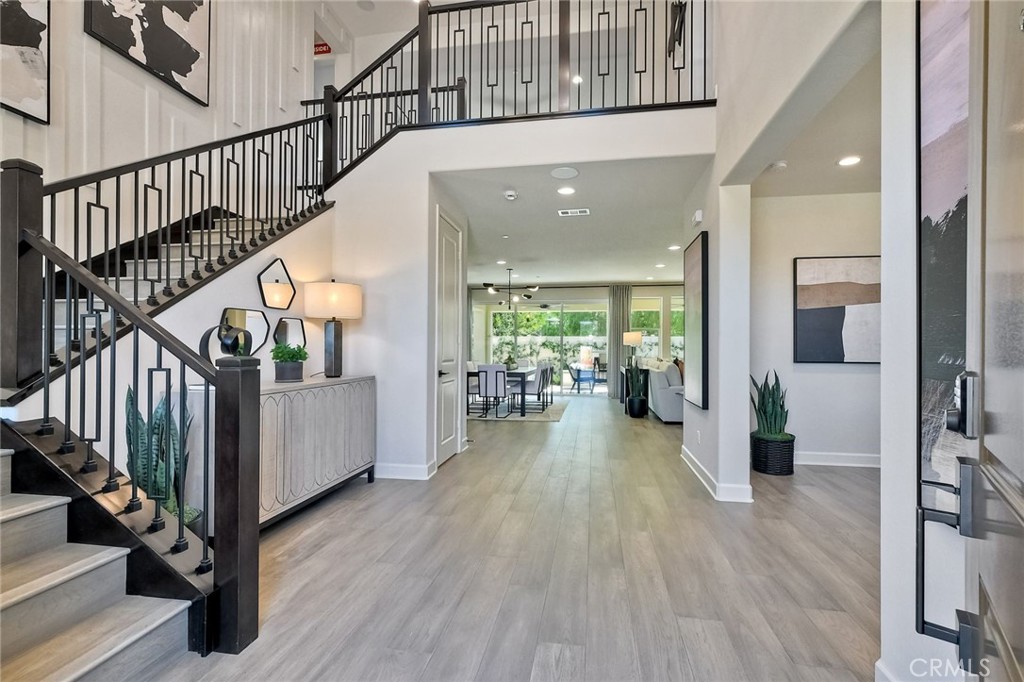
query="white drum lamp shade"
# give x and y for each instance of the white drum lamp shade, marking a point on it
(632, 339)
(333, 301)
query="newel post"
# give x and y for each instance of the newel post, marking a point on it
(330, 151)
(236, 502)
(423, 100)
(21, 273)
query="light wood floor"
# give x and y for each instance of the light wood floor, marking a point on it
(579, 550)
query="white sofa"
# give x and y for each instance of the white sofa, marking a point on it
(666, 392)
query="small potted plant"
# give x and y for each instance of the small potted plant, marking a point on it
(771, 448)
(636, 403)
(288, 362)
(510, 362)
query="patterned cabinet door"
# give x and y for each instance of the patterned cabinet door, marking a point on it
(312, 437)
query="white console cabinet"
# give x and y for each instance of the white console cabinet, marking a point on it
(314, 435)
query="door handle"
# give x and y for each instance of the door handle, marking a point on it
(441, 373)
(964, 417)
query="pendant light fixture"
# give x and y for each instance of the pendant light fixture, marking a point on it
(511, 295)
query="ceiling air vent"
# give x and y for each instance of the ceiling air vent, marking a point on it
(570, 212)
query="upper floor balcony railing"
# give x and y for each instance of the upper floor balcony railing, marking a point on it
(508, 59)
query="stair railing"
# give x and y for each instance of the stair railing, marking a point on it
(139, 410)
(154, 229)
(491, 60)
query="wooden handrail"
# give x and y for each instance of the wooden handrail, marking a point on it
(143, 322)
(388, 54)
(89, 178)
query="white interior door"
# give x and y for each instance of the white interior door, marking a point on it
(448, 337)
(996, 556)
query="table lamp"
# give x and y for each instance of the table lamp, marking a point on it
(333, 301)
(632, 339)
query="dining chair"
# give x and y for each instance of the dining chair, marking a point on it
(472, 384)
(494, 389)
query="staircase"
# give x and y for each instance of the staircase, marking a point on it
(57, 596)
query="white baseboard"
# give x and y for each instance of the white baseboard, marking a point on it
(735, 493)
(699, 471)
(838, 459)
(721, 492)
(882, 673)
(406, 472)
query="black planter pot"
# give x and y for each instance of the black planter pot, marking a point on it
(636, 407)
(773, 457)
(287, 372)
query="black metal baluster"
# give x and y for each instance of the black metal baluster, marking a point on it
(134, 503)
(67, 445)
(207, 225)
(111, 484)
(184, 227)
(206, 564)
(89, 465)
(272, 229)
(46, 427)
(166, 228)
(158, 523)
(282, 174)
(180, 543)
(51, 345)
(224, 211)
(72, 340)
(117, 241)
(243, 213)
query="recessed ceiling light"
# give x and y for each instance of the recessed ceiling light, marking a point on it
(577, 79)
(660, 265)
(500, 262)
(778, 166)
(648, 277)
(674, 247)
(849, 161)
(514, 274)
(504, 236)
(564, 173)
(566, 191)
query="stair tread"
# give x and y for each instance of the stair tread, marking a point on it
(16, 505)
(45, 570)
(87, 644)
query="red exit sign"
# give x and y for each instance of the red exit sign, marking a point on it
(321, 48)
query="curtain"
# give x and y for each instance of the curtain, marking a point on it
(620, 301)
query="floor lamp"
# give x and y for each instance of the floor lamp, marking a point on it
(333, 301)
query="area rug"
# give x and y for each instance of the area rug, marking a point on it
(552, 414)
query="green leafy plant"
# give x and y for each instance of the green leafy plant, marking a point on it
(770, 409)
(157, 457)
(282, 352)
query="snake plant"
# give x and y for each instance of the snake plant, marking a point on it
(157, 457)
(770, 409)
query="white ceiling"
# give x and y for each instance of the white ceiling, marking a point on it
(848, 125)
(373, 17)
(636, 213)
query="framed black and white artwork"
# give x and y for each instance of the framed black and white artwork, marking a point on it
(168, 38)
(837, 309)
(25, 58)
(695, 321)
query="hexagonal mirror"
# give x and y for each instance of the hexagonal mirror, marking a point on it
(276, 288)
(253, 321)
(290, 331)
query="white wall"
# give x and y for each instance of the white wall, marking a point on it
(106, 110)
(384, 233)
(833, 408)
(773, 76)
